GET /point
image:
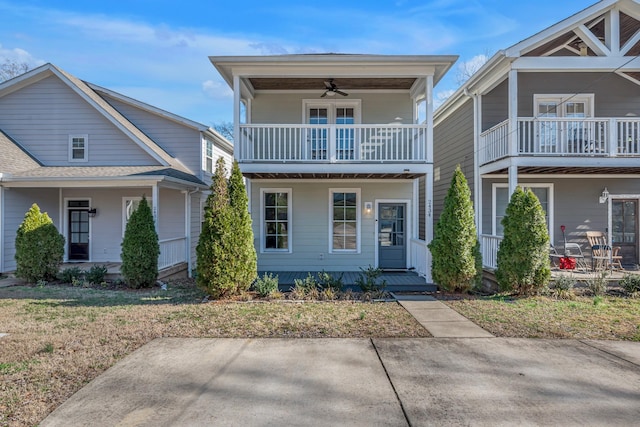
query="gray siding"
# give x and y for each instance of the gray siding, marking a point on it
(41, 117)
(310, 227)
(495, 106)
(453, 145)
(287, 108)
(196, 224)
(180, 141)
(615, 96)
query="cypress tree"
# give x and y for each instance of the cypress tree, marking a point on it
(523, 256)
(39, 247)
(215, 261)
(140, 248)
(456, 264)
(244, 271)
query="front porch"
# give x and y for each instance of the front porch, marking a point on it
(397, 281)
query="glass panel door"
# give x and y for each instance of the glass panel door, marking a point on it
(318, 137)
(345, 137)
(624, 231)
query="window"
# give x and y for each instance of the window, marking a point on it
(78, 150)
(337, 112)
(344, 224)
(553, 127)
(276, 220)
(129, 205)
(544, 193)
(208, 156)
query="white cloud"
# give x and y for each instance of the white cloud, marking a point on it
(217, 90)
(441, 97)
(19, 56)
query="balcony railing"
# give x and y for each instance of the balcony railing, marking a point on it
(332, 143)
(489, 246)
(604, 137)
(172, 252)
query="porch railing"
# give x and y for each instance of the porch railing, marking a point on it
(603, 137)
(489, 246)
(420, 257)
(172, 252)
(332, 143)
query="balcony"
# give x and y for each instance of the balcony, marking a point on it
(332, 144)
(563, 137)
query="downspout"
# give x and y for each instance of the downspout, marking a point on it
(187, 228)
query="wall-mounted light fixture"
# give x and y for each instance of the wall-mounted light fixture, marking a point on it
(368, 207)
(92, 212)
(604, 196)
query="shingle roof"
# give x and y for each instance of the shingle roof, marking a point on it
(14, 158)
(103, 172)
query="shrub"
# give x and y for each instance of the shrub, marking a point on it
(308, 283)
(598, 283)
(523, 256)
(140, 249)
(266, 285)
(39, 247)
(96, 274)
(630, 283)
(368, 280)
(327, 281)
(244, 270)
(562, 287)
(226, 256)
(455, 250)
(71, 275)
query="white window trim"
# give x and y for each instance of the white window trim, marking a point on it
(358, 220)
(263, 239)
(562, 98)
(523, 185)
(206, 156)
(124, 207)
(85, 138)
(331, 106)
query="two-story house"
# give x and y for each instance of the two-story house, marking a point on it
(86, 155)
(558, 112)
(338, 155)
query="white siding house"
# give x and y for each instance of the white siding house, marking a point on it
(87, 155)
(338, 160)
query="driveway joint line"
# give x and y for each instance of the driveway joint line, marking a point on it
(617, 356)
(404, 411)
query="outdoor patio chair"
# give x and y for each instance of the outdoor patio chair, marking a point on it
(601, 255)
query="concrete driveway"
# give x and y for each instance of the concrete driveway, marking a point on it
(362, 382)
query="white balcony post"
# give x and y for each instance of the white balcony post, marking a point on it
(513, 179)
(333, 141)
(512, 137)
(613, 139)
(236, 117)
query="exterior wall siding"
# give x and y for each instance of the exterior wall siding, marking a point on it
(196, 224)
(495, 106)
(453, 146)
(180, 141)
(41, 117)
(287, 108)
(615, 96)
(310, 224)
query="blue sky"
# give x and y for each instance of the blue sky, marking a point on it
(157, 50)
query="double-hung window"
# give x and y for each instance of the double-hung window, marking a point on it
(276, 220)
(344, 221)
(208, 156)
(544, 193)
(78, 148)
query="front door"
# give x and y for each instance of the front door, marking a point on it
(625, 229)
(392, 241)
(78, 230)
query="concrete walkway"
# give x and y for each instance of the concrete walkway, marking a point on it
(363, 382)
(439, 319)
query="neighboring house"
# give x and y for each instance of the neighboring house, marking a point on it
(337, 157)
(87, 155)
(559, 113)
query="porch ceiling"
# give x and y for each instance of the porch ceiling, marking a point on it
(299, 83)
(545, 170)
(256, 175)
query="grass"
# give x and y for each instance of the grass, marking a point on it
(596, 317)
(61, 337)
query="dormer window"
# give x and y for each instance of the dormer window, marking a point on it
(78, 149)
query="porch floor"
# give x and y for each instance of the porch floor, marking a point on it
(397, 281)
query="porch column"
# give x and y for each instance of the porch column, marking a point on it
(513, 113)
(513, 179)
(155, 198)
(477, 179)
(429, 121)
(187, 229)
(236, 117)
(428, 231)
